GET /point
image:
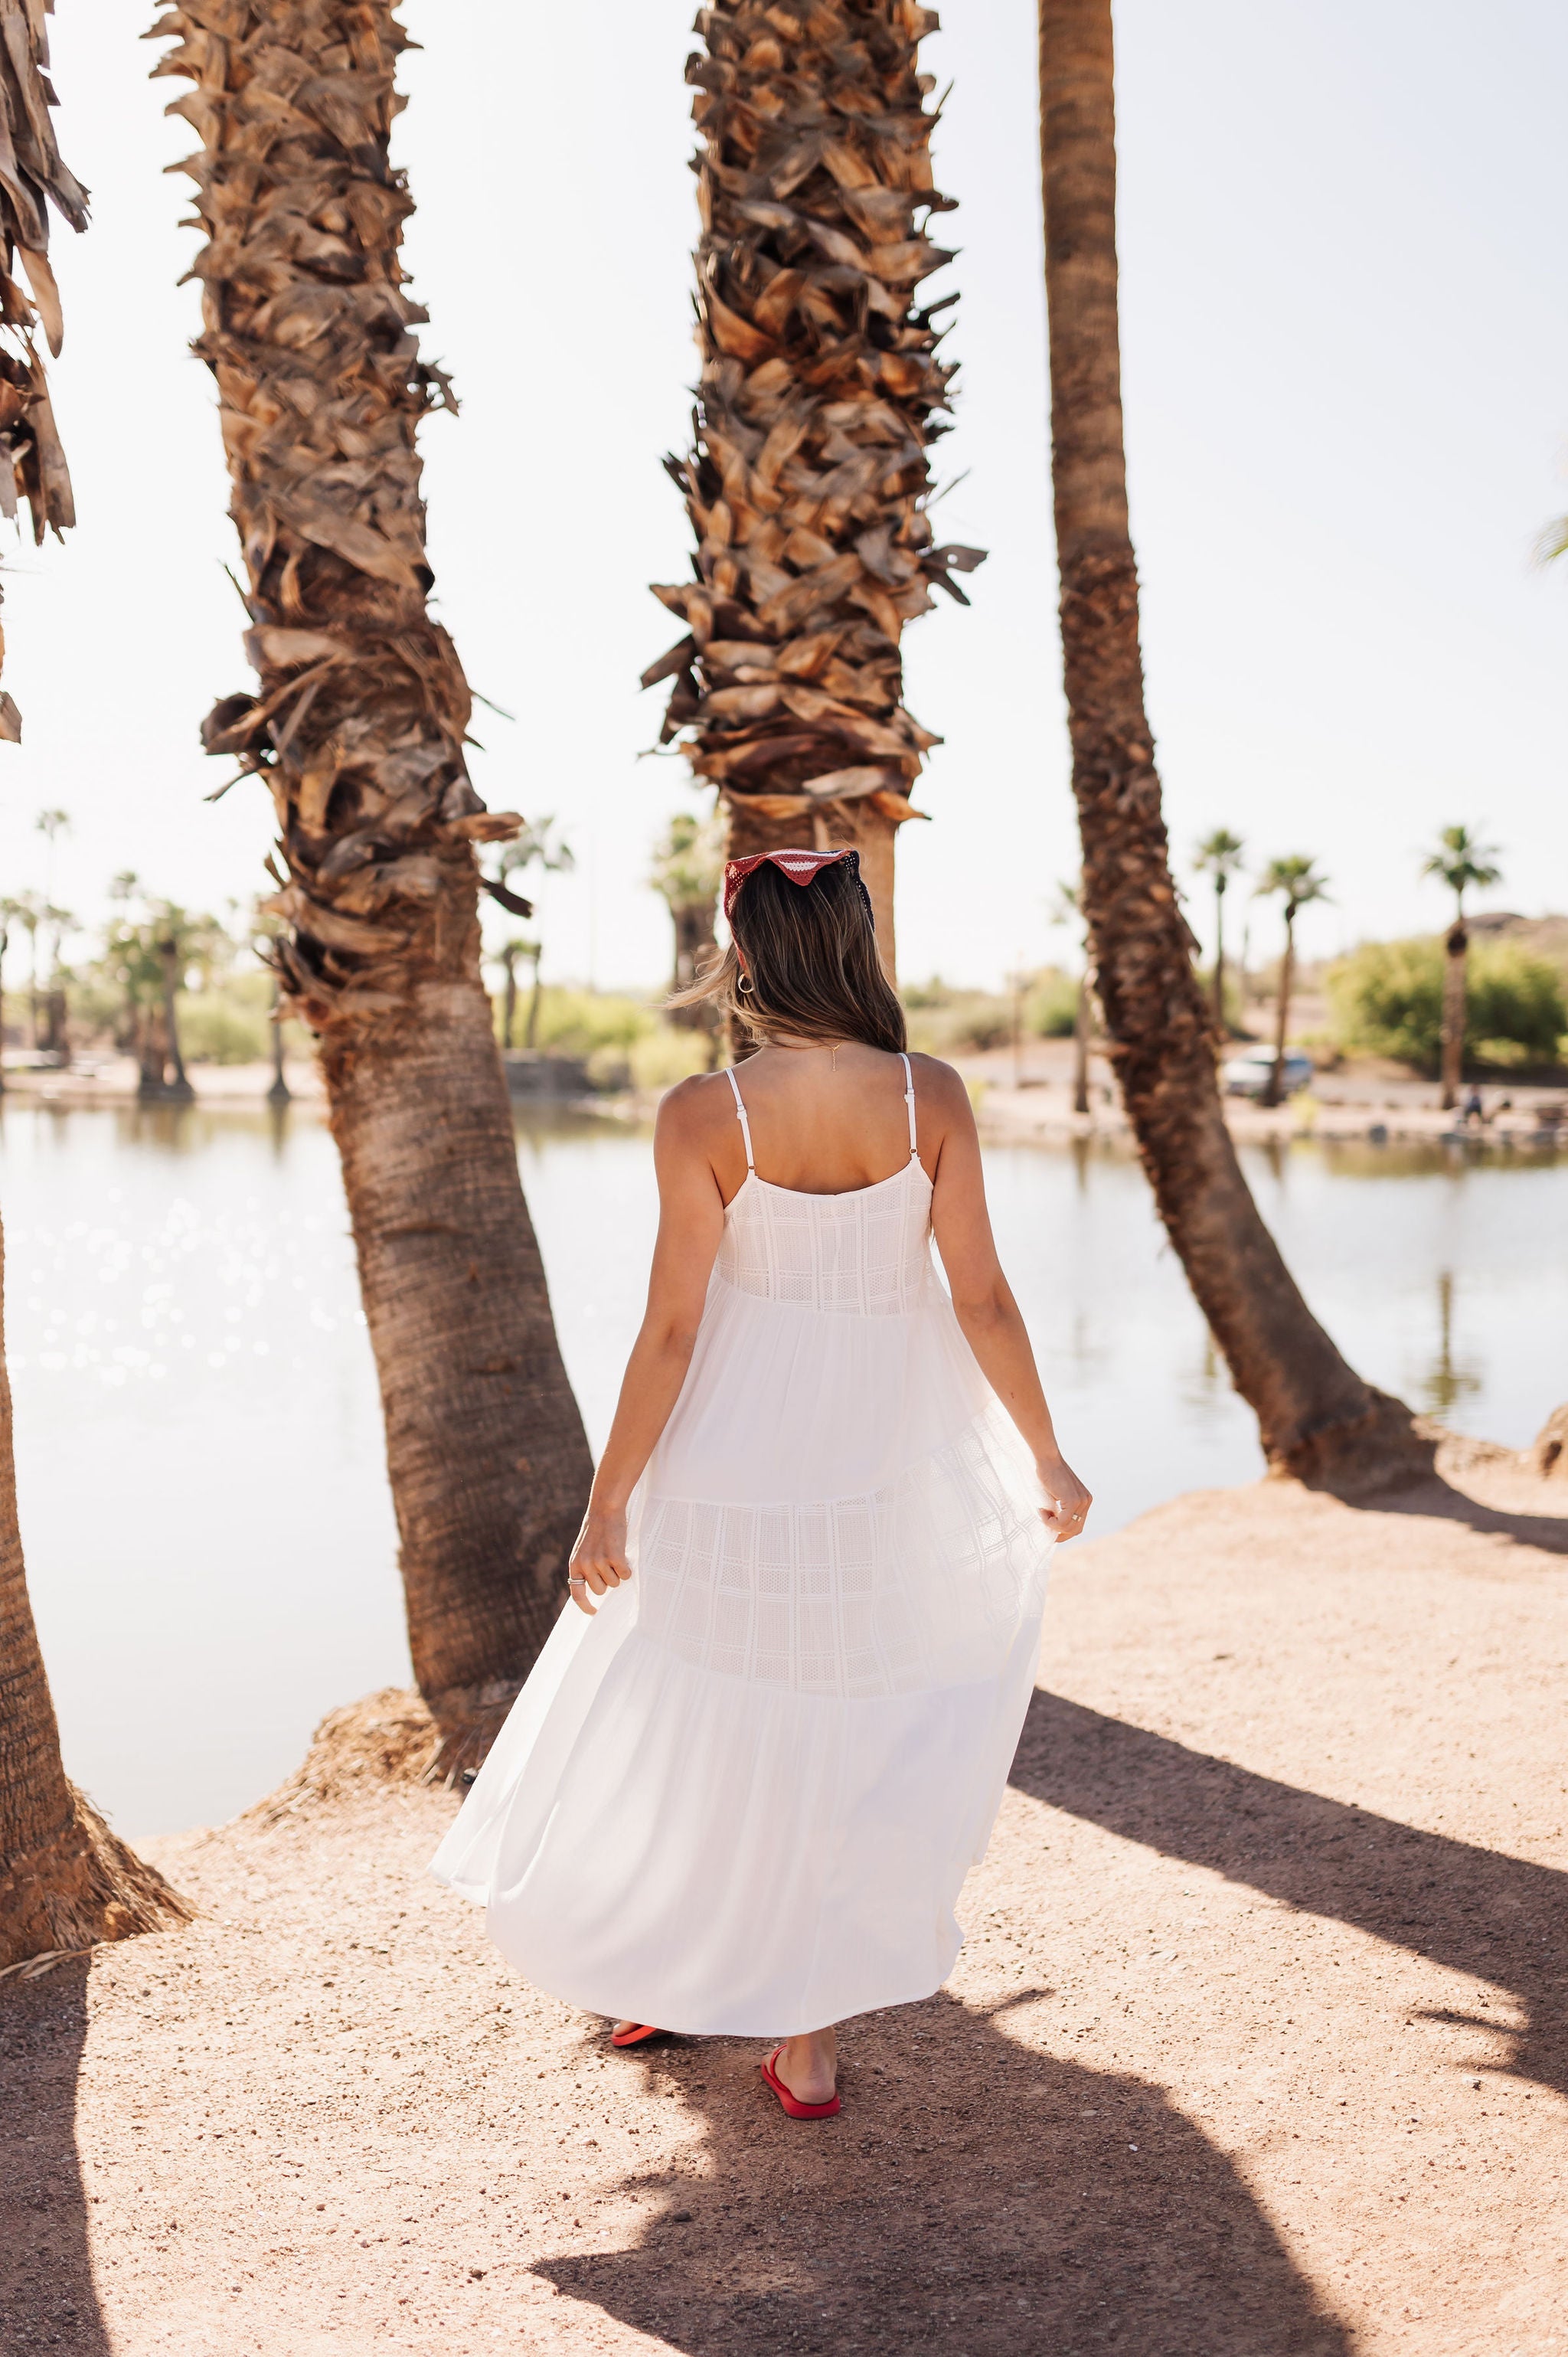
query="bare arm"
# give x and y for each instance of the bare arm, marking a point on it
(984, 1304)
(691, 1223)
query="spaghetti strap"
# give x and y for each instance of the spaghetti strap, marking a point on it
(909, 1101)
(745, 1124)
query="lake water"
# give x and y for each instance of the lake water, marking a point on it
(210, 1540)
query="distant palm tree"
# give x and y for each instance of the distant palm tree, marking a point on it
(1301, 884)
(1067, 908)
(30, 910)
(1459, 861)
(506, 957)
(537, 846)
(688, 867)
(1316, 1415)
(1220, 855)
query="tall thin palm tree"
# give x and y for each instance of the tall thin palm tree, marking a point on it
(358, 728)
(1316, 1414)
(1298, 882)
(1067, 908)
(1220, 855)
(1460, 861)
(821, 395)
(687, 870)
(66, 1881)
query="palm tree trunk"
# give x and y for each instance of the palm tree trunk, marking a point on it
(1316, 1414)
(66, 1881)
(530, 1029)
(1080, 1024)
(508, 1006)
(1275, 1087)
(821, 393)
(1456, 952)
(280, 1093)
(1219, 1024)
(359, 730)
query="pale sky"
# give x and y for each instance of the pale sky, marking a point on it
(1346, 339)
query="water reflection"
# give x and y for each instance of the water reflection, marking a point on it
(198, 1433)
(1450, 1379)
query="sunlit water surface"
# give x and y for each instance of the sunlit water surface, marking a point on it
(208, 1534)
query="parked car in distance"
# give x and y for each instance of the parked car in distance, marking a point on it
(1248, 1075)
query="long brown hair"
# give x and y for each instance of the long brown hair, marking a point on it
(811, 971)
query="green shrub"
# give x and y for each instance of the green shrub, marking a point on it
(1050, 1011)
(667, 1055)
(579, 1022)
(1386, 1000)
(944, 1022)
(214, 1030)
(963, 1019)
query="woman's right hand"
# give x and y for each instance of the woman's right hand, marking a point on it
(1070, 1500)
(599, 1559)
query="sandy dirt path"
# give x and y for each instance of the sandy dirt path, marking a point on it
(1258, 2043)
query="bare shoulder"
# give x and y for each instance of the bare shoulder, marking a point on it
(692, 1114)
(940, 1089)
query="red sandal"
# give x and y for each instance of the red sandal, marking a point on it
(793, 2104)
(636, 2034)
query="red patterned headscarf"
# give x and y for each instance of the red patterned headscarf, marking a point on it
(800, 867)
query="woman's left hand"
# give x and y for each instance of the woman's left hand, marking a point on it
(1070, 1501)
(599, 1559)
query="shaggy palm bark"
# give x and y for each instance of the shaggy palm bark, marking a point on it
(1316, 1415)
(65, 1880)
(32, 463)
(359, 728)
(821, 395)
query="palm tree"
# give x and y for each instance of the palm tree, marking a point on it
(32, 462)
(1220, 855)
(66, 1881)
(30, 910)
(1316, 1415)
(536, 846)
(821, 395)
(358, 728)
(688, 868)
(1067, 908)
(506, 957)
(1460, 861)
(1299, 882)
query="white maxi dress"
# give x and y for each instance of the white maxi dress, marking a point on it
(742, 1798)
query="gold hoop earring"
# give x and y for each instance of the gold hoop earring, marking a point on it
(745, 985)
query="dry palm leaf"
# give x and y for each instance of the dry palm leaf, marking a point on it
(32, 463)
(821, 395)
(360, 723)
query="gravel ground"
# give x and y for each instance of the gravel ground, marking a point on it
(1258, 2043)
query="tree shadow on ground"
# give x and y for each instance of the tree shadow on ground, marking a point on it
(1479, 1912)
(47, 2295)
(975, 2198)
(1443, 1502)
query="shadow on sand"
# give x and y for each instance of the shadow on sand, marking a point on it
(1032, 2205)
(1478, 1910)
(47, 2298)
(1441, 1499)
